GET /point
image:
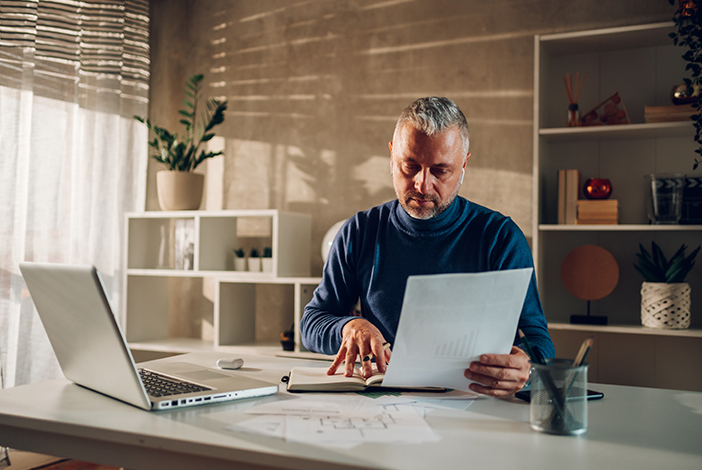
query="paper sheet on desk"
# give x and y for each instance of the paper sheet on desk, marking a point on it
(449, 320)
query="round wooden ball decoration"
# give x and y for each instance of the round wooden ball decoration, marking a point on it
(597, 188)
(590, 272)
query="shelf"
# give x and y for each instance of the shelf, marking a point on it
(608, 39)
(225, 276)
(619, 132)
(186, 345)
(619, 228)
(627, 329)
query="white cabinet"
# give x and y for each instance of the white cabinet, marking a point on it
(181, 292)
(642, 64)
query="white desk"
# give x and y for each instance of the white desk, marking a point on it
(632, 428)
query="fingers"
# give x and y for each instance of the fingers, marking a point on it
(499, 374)
(340, 356)
(359, 338)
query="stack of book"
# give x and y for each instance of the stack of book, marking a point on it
(597, 212)
(568, 192)
(678, 112)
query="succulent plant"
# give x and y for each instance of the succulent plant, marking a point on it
(239, 252)
(655, 268)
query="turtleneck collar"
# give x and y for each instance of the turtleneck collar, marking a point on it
(438, 225)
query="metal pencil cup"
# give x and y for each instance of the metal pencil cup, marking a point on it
(559, 397)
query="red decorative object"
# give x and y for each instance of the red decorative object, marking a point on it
(597, 188)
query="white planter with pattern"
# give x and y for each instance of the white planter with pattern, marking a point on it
(665, 305)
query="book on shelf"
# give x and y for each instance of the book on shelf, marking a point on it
(597, 212)
(315, 379)
(568, 193)
(676, 112)
(561, 196)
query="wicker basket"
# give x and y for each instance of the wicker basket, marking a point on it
(665, 305)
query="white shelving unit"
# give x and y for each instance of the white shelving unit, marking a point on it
(641, 63)
(217, 305)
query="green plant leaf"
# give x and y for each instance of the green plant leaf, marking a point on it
(180, 155)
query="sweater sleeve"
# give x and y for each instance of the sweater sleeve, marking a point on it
(511, 251)
(331, 306)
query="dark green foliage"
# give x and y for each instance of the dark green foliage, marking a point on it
(239, 252)
(267, 252)
(688, 21)
(254, 253)
(183, 155)
(655, 268)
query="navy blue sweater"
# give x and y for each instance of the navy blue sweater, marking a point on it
(376, 250)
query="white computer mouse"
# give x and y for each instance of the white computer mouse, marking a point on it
(230, 363)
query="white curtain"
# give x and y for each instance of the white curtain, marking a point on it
(72, 158)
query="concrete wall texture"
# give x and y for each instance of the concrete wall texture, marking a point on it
(315, 88)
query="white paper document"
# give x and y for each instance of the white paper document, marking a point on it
(449, 320)
(389, 423)
(392, 423)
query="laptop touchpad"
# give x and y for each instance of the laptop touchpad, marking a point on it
(203, 375)
(191, 371)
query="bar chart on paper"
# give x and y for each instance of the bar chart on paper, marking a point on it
(460, 347)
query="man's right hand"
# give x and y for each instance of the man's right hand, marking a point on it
(359, 338)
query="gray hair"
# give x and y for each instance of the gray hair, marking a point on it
(433, 115)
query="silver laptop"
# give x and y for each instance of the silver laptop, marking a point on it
(92, 351)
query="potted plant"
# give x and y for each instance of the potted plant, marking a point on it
(239, 259)
(254, 260)
(665, 296)
(267, 260)
(688, 24)
(179, 188)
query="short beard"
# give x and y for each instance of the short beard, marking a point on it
(428, 213)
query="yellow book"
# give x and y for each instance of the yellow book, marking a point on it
(571, 197)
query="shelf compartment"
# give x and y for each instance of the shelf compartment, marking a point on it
(153, 241)
(255, 312)
(623, 305)
(639, 62)
(160, 308)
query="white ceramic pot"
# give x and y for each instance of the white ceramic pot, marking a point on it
(179, 190)
(239, 263)
(254, 265)
(665, 305)
(267, 265)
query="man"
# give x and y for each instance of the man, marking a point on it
(428, 229)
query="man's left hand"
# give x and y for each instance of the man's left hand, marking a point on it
(499, 375)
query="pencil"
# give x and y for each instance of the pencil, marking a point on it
(530, 352)
(370, 355)
(582, 353)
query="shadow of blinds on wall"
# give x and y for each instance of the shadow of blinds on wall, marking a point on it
(72, 76)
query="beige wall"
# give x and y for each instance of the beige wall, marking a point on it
(315, 87)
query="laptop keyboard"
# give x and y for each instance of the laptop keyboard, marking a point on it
(159, 385)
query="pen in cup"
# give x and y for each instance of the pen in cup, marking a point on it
(530, 352)
(582, 353)
(535, 358)
(370, 355)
